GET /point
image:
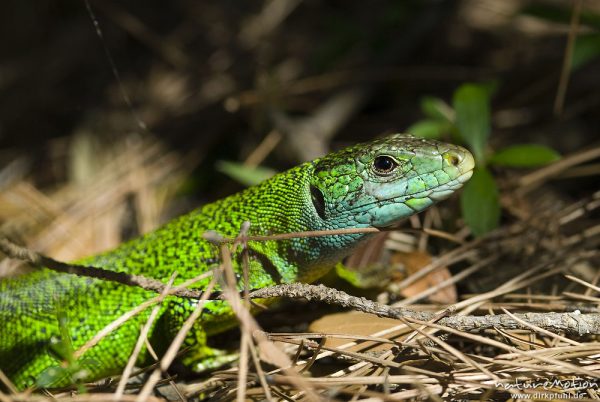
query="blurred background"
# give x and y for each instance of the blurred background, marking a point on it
(118, 115)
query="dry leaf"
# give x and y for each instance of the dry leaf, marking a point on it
(415, 261)
(351, 323)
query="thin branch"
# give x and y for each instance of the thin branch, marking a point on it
(39, 260)
(570, 323)
(217, 238)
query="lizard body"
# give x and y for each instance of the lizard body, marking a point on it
(374, 184)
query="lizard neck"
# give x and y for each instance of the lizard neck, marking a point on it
(284, 204)
(281, 204)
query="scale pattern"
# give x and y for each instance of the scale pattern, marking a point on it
(340, 190)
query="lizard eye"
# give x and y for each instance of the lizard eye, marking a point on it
(384, 164)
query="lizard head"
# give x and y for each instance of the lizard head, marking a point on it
(382, 182)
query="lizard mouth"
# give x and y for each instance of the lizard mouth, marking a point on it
(437, 193)
(428, 197)
(463, 178)
(444, 191)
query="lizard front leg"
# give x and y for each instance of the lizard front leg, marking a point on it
(199, 356)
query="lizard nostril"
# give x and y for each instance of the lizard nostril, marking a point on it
(453, 158)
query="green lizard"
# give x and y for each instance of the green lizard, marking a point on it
(375, 184)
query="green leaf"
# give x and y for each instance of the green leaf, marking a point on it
(480, 202)
(525, 155)
(429, 128)
(248, 176)
(587, 48)
(437, 109)
(472, 105)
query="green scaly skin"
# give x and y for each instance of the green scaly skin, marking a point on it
(356, 187)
